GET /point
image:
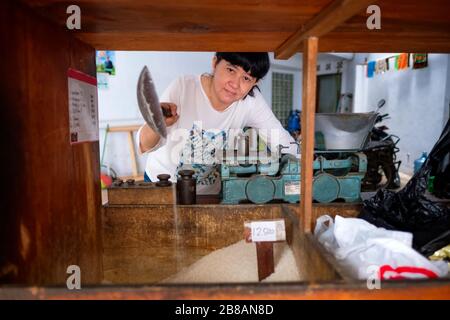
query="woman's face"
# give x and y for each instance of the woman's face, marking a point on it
(230, 82)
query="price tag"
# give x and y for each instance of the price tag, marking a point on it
(83, 107)
(270, 230)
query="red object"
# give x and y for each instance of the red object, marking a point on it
(107, 180)
(399, 273)
(78, 75)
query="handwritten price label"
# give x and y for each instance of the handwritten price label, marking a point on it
(271, 230)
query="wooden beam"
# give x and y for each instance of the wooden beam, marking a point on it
(307, 125)
(436, 289)
(327, 20)
(134, 168)
(124, 128)
(217, 25)
(385, 41)
(264, 255)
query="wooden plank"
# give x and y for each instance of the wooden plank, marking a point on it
(185, 17)
(51, 218)
(264, 255)
(147, 265)
(311, 263)
(264, 248)
(406, 26)
(328, 19)
(145, 244)
(348, 210)
(359, 40)
(134, 168)
(307, 125)
(238, 41)
(149, 193)
(218, 26)
(138, 178)
(124, 128)
(199, 225)
(394, 290)
(377, 42)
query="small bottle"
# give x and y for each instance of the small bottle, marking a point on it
(418, 163)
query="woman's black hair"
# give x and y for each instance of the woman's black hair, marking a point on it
(257, 64)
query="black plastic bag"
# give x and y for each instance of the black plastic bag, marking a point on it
(442, 181)
(410, 210)
(436, 244)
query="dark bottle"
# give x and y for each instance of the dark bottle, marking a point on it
(186, 187)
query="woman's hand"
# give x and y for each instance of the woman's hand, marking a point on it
(172, 107)
(148, 137)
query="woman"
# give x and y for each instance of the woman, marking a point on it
(204, 109)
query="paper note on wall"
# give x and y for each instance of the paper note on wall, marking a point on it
(83, 107)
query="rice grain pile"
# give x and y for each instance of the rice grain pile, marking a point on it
(237, 263)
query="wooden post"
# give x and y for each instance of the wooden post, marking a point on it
(307, 125)
(134, 166)
(264, 255)
(264, 234)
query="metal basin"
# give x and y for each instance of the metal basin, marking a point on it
(343, 131)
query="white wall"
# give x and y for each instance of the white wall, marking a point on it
(292, 66)
(415, 100)
(356, 80)
(447, 95)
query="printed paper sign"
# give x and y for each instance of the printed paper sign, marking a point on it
(83, 107)
(292, 187)
(270, 230)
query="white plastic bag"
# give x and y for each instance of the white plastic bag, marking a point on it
(324, 232)
(361, 248)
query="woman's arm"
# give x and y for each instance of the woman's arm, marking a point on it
(148, 138)
(270, 128)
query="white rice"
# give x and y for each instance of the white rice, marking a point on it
(237, 263)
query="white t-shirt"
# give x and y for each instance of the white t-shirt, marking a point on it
(201, 127)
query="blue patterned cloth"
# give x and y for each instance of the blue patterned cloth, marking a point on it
(199, 154)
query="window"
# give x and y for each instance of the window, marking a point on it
(282, 95)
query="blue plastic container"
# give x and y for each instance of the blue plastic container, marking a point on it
(418, 163)
(294, 121)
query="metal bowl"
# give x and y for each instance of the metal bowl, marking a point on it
(343, 131)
